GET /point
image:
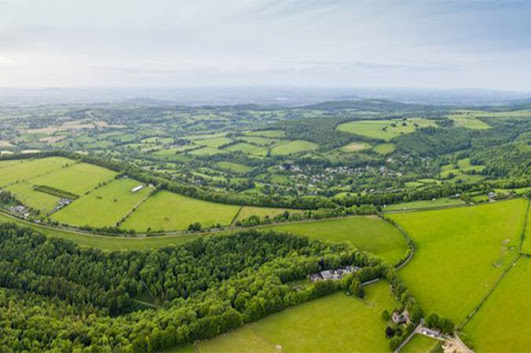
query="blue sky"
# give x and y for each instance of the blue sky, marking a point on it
(176, 43)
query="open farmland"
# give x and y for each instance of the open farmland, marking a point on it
(286, 148)
(502, 323)
(335, 323)
(526, 245)
(469, 120)
(262, 212)
(234, 167)
(355, 147)
(78, 179)
(460, 253)
(441, 202)
(168, 211)
(419, 344)
(384, 148)
(267, 133)
(384, 129)
(247, 148)
(214, 142)
(29, 197)
(29, 169)
(105, 206)
(367, 233)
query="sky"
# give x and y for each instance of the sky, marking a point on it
(307, 43)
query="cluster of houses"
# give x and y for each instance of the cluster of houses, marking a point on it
(333, 275)
(20, 210)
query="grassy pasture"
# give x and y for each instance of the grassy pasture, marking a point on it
(460, 253)
(206, 151)
(267, 133)
(441, 202)
(368, 233)
(169, 211)
(31, 169)
(77, 179)
(248, 149)
(214, 142)
(103, 207)
(257, 140)
(419, 344)
(8, 163)
(502, 323)
(526, 246)
(335, 323)
(469, 120)
(384, 148)
(355, 147)
(286, 148)
(31, 198)
(382, 129)
(234, 167)
(261, 212)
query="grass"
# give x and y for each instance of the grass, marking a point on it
(103, 207)
(267, 133)
(419, 344)
(502, 323)
(383, 129)
(526, 246)
(77, 179)
(234, 167)
(37, 200)
(460, 253)
(355, 147)
(261, 212)
(441, 202)
(368, 233)
(31, 169)
(168, 211)
(206, 151)
(384, 148)
(468, 120)
(215, 142)
(247, 148)
(292, 147)
(259, 141)
(336, 323)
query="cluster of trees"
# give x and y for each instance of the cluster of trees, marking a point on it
(84, 300)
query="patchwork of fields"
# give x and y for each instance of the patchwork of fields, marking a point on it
(384, 129)
(460, 253)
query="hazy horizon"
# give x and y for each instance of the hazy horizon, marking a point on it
(167, 44)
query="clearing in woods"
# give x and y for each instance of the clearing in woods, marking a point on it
(385, 129)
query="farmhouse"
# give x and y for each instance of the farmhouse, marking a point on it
(137, 188)
(400, 318)
(333, 274)
(429, 332)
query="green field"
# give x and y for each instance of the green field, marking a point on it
(292, 147)
(526, 246)
(206, 151)
(103, 207)
(261, 212)
(214, 142)
(384, 148)
(248, 149)
(441, 202)
(355, 147)
(34, 199)
(31, 169)
(460, 253)
(368, 233)
(468, 120)
(168, 211)
(267, 133)
(260, 141)
(419, 344)
(383, 129)
(77, 179)
(234, 167)
(336, 323)
(502, 323)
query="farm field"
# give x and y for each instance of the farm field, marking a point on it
(355, 147)
(105, 206)
(267, 133)
(441, 202)
(77, 179)
(321, 325)
(368, 233)
(257, 140)
(261, 212)
(234, 167)
(37, 200)
(468, 120)
(384, 148)
(206, 151)
(419, 344)
(292, 147)
(460, 253)
(30, 169)
(382, 129)
(247, 148)
(526, 245)
(502, 323)
(214, 142)
(168, 211)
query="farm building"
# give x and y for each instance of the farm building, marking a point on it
(400, 318)
(137, 188)
(333, 274)
(429, 332)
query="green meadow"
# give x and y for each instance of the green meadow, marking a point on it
(169, 211)
(384, 129)
(286, 148)
(262, 212)
(367, 233)
(469, 120)
(247, 148)
(30, 169)
(267, 133)
(460, 253)
(441, 202)
(34, 199)
(502, 323)
(384, 148)
(78, 178)
(526, 246)
(419, 344)
(355, 147)
(214, 142)
(234, 167)
(335, 323)
(105, 206)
